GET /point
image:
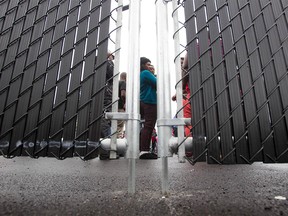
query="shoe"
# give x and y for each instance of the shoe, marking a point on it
(189, 154)
(148, 155)
(104, 157)
(107, 157)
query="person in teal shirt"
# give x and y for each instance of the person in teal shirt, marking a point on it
(148, 107)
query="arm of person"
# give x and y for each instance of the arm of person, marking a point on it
(109, 70)
(123, 95)
(150, 78)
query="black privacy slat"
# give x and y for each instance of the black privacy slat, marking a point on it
(3, 8)
(42, 9)
(84, 103)
(24, 41)
(198, 132)
(27, 78)
(30, 18)
(50, 20)
(72, 18)
(9, 18)
(69, 40)
(99, 76)
(45, 115)
(65, 65)
(38, 29)
(95, 12)
(247, 81)
(33, 5)
(33, 52)
(63, 9)
(17, 29)
(72, 104)
(235, 92)
(85, 6)
(7, 123)
(59, 30)
(82, 29)
(282, 28)
(79, 52)
(210, 108)
(13, 4)
(42, 64)
(5, 37)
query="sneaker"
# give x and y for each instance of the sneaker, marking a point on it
(148, 155)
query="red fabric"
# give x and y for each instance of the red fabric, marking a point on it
(187, 113)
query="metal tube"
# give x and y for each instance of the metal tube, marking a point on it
(132, 176)
(179, 90)
(173, 145)
(165, 183)
(121, 145)
(133, 91)
(163, 88)
(113, 154)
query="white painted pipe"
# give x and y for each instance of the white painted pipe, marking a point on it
(179, 90)
(133, 92)
(163, 88)
(116, 79)
(121, 145)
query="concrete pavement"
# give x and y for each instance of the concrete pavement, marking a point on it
(47, 186)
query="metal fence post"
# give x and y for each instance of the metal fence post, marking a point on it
(163, 89)
(179, 95)
(113, 143)
(133, 92)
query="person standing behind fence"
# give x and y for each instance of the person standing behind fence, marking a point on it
(106, 123)
(187, 113)
(186, 94)
(121, 103)
(148, 107)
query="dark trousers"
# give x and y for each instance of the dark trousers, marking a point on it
(149, 114)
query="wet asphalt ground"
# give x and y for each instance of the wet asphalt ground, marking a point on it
(47, 186)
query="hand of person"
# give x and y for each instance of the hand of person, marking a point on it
(174, 97)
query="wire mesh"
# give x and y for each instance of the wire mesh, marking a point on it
(53, 64)
(238, 73)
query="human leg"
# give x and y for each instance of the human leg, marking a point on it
(149, 114)
(187, 114)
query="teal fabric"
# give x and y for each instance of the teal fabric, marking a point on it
(148, 87)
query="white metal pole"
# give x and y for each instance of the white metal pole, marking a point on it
(179, 91)
(113, 144)
(133, 91)
(163, 88)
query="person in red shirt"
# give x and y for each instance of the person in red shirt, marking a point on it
(186, 94)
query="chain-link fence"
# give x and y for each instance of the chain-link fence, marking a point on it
(53, 58)
(237, 53)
